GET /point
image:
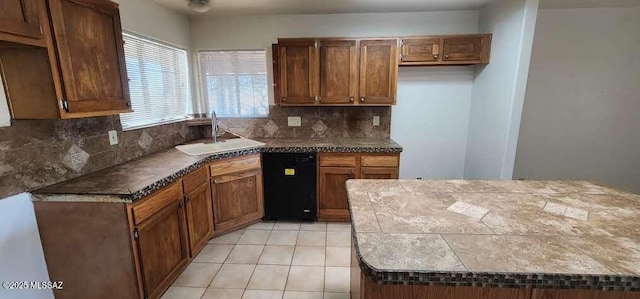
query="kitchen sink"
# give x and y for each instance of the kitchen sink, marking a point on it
(227, 142)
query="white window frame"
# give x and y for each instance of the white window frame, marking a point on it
(189, 96)
(203, 84)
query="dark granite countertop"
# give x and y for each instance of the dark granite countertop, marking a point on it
(515, 234)
(138, 178)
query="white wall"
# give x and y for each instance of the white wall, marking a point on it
(431, 120)
(498, 91)
(5, 117)
(581, 115)
(433, 103)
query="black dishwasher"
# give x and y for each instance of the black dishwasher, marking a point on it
(289, 186)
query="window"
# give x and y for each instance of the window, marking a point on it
(234, 83)
(158, 82)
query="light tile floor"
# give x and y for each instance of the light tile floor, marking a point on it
(283, 260)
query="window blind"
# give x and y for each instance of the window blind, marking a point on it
(234, 83)
(158, 82)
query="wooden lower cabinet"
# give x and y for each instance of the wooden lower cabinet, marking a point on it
(163, 253)
(336, 168)
(236, 188)
(199, 208)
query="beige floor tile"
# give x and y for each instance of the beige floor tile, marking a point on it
(269, 277)
(337, 296)
(339, 239)
(230, 238)
(338, 257)
(339, 227)
(183, 293)
(233, 276)
(245, 254)
(213, 293)
(213, 253)
(287, 225)
(283, 237)
(311, 238)
(261, 294)
(276, 255)
(337, 279)
(304, 278)
(308, 256)
(314, 226)
(197, 275)
(302, 295)
(268, 225)
(255, 237)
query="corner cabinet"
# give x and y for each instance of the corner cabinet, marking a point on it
(236, 187)
(336, 72)
(63, 59)
(336, 168)
(445, 50)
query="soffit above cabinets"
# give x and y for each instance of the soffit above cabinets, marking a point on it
(222, 7)
(555, 4)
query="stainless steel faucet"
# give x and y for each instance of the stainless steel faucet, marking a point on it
(214, 127)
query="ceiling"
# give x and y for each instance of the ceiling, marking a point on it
(587, 3)
(325, 6)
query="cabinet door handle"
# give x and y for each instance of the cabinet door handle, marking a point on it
(435, 56)
(446, 56)
(351, 99)
(318, 98)
(362, 100)
(284, 99)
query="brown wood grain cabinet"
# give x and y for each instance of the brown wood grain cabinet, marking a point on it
(338, 72)
(299, 75)
(21, 21)
(199, 209)
(79, 68)
(446, 50)
(236, 187)
(334, 169)
(378, 71)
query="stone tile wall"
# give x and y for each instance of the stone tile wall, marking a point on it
(38, 153)
(317, 122)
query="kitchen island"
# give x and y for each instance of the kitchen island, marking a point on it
(493, 239)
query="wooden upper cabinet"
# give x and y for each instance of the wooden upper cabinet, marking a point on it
(299, 74)
(420, 50)
(89, 42)
(338, 72)
(378, 71)
(20, 21)
(469, 49)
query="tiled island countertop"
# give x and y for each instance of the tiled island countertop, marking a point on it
(138, 178)
(506, 234)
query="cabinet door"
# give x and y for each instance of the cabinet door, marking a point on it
(199, 218)
(21, 18)
(379, 173)
(466, 48)
(299, 74)
(420, 50)
(378, 72)
(338, 72)
(162, 248)
(333, 204)
(91, 56)
(237, 199)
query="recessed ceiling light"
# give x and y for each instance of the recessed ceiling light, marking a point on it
(200, 6)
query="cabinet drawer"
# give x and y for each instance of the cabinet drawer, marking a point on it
(195, 180)
(156, 202)
(235, 165)
(337, 160)
(380, 161)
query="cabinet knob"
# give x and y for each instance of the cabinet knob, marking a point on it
(284, 99)
(318, 98)
(128, 104)
(362, 100)
(351, 99)
(446, 56)
(435, 56)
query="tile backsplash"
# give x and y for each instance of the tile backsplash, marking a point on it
(317, 122)
(38, 153)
